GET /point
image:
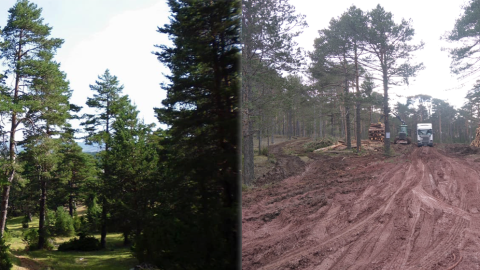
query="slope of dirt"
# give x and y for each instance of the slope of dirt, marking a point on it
(420, 210)
(286, 165)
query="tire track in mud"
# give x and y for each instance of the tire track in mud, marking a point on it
(421, 214)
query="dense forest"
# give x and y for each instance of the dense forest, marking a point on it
(344, 85)
(171, 193)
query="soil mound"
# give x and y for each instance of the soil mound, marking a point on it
(286, 165)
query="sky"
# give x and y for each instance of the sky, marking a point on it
(430, 20)
(118, 35)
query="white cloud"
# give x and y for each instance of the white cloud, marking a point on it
(124, 46)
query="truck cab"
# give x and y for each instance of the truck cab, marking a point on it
(424, 134)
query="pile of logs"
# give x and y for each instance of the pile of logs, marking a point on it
(476, 141)
(376, 132)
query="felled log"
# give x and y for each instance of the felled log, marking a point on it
(328, 147)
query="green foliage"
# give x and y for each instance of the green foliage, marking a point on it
(200, 159)
(87, 243)
(5, 261)
(30, 238)
(64, 225)
(108, 102)
(264, 151)
(465, 33)
(319, 143)
(25, 222)
(38, 99)
(93, 213)
(78, 222)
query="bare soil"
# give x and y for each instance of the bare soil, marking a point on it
(417, 210)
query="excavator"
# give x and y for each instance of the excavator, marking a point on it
(402, 137)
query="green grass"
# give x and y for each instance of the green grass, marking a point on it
(115, 256)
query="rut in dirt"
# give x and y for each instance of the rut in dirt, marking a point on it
(422, 213)
(285, 166)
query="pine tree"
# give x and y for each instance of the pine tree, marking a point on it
(268, 31)
(75, 170)
(109, 103)
(26, 46)
(201, 109)
(390, 45)
(133, 163)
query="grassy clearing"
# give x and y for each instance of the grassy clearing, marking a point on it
(114, 257)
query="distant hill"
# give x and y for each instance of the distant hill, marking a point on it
(85, 148)
(89, 148)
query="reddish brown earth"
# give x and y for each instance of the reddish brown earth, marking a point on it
(419, 210)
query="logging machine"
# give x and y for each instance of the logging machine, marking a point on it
(402, 137)
(424, 134)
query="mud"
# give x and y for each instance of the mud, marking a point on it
(286, 165)
(419, 210)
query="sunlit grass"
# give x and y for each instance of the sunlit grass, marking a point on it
(115, 256)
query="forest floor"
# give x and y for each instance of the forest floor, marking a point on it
(417, 209)
(116, 256)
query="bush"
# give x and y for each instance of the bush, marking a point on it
(77, 222)
(84, 243)
(317, 144)
(264, 151)
(30, 238)
(5, 262)
(25, 222)
(7, 236)
(94, 212)
(63, 223)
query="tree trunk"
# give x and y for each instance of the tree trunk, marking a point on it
(103, 236)
(259, 134)
(41, 223)
(320, 123)
(273, 130)
(299, 134)
(347, 107)
(248, 173)
(358, 109)
(332, 125)
(290, 124)
(12, 155)
(386, 110)
(70, 204)
(314, 124)
(440, 125)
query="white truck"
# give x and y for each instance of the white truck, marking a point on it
(424, 134)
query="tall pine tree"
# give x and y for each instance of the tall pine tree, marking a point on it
(108, 103)
(26, 50)
(201, 110)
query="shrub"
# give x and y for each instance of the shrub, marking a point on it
(7, 235)
(63, 223)
(77, 222)
(84, 243)
(25, 222)
(5, 262)
(264, 151)
(94, 212)
(30, 238)
(319, 143)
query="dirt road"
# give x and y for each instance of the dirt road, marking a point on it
(417, 211)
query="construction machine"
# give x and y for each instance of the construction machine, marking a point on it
(402, 137)
(376, 132)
